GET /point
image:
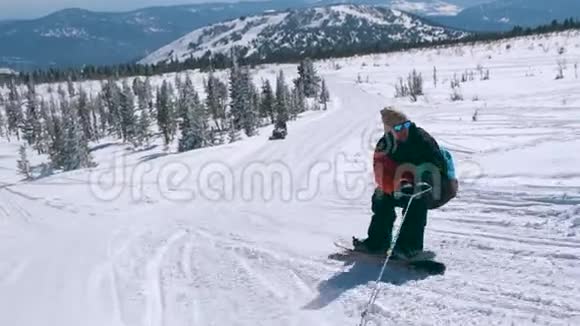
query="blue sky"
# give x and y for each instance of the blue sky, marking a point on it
(16, 9)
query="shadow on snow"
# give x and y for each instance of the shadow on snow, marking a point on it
(360, 273)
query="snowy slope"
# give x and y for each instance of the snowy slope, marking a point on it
(427, 8)
(148, 238)
(7, 71)
(297, 31)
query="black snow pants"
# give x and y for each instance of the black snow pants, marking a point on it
(381, 227)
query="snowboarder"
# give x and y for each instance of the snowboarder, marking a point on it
(407, 160)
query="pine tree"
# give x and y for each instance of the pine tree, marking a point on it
(101, 120)
(324, 95)
(32, 127)
(216, 99)
(111, 97)
(127, 112)
(165, 112)
(308, 77)
(23, 163)
(143, 135)
(298, 101)
(14, 114)
(144, 99)
(2, 119)
(75, 148)
(193, 126)
(282, 99)
(241, 92)
(54, 126)
(267, 105)
(84, 113)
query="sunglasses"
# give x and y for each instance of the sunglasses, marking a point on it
(402, 126)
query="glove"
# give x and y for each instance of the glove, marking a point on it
(407, 189)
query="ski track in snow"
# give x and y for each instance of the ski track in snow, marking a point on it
(511, 239)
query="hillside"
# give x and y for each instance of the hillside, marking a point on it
(241, 234)
(505, 14)
(76, 37)
(304, 31)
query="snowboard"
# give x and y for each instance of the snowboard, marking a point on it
(424, 263)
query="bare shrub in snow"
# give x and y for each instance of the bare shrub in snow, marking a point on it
(561, 50)
(475, 114)
(412, 87)
(456, 94)
(401, 89)
(561, 68)
(415, 81)
(434, 76)
(485, 75)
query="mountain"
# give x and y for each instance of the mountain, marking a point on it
(304, 31)
(505, 14)
(76, 37)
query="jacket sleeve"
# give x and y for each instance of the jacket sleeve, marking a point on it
(384, 169)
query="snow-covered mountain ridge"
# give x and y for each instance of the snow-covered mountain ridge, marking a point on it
(304, 31)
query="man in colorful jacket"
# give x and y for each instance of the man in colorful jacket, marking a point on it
(407, 161)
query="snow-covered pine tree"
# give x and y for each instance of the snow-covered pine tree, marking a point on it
(282, 99)
(324, 94)
(101, 121)
(111, 97)
(241, 93)
(144, 97)
(251, 115)
(298, 101)
(268, 102)
(32, 127)
(2, 119)
(54, 127)
(309, 78)
(75, 150)
(165, 112)
(194, 123)
(23, 164)
(45, 136)
(127, 111)
(137, 86)
(14, 116)
(84, 113)
(216, 100)
(148, 96)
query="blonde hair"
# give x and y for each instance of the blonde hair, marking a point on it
(392, 117)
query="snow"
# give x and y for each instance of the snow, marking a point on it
(197, 239)
(217, 43)
(249, 31)
(64, 32)
(428, 8)
(7, 71)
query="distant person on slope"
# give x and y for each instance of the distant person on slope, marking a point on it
(407, 160)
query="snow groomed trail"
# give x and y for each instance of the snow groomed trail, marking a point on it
(225, 247)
